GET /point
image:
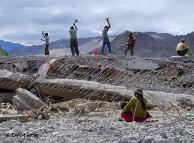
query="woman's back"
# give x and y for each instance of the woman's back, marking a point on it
(136, 107)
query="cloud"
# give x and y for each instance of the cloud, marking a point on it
(23, 20)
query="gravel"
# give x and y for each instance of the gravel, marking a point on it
(98, 130)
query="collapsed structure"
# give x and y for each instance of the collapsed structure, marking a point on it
(111, 79)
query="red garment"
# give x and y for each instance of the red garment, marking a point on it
(128, 117)
(131, 41)
(96, 52)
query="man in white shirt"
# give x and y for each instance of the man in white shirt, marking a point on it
(73, 40)
(46, 40)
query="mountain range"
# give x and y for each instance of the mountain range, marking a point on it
(148, 44)
(10, 45)
(152, 44)
(59, 47)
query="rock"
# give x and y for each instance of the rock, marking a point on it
(25, 100)
(63, 108)
(54, 109)
(57, 108)
(48, 68)
(91, 107)
(70, 89)
(4, 112)
(185, 102)
(40, 115)
(44, 115)
(12, 81)
(87, 107)
(20, 104)
(6, 106)
(43, 70)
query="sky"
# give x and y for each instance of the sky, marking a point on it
(23, 20)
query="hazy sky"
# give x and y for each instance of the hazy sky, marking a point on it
(23, 20)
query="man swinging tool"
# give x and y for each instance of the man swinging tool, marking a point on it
(105, 37)
(73, 39)
(46, 39)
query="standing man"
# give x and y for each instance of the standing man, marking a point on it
(73, 39)
(46, 40)
(131, 44)
(105, 37)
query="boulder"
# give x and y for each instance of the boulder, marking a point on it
(71, 89)
(20, 104)
(12, 81)
(48, 68)
(25, 100)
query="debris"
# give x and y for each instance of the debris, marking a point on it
(40, 115)
(87, 107)
(185, 102)
(21, 118)
(12, 81)
(139, 63)
(48, 68)
(110, 73)
(25, 100)
(6, 96)
(77, 88)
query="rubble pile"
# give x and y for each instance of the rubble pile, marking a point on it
(168, 75)
(85, 87)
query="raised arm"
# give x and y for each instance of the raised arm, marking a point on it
(75, 27)
(108, 23)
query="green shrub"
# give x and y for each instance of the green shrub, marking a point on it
(3, 52)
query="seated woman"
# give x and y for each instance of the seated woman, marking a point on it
(136, 109)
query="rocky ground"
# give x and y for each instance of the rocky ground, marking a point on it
(97, 129)
(87, 121)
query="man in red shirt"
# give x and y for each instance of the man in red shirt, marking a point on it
(130, 44)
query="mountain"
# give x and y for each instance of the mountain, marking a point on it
(10, 46)
(148, 44)
(151, 44)
(85, 46)
(60, 47)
